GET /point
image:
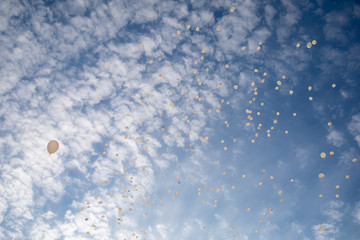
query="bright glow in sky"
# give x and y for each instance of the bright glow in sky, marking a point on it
(180, 119)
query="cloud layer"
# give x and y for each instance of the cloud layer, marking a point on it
(178, 119)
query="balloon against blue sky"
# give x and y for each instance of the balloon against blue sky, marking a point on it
(180, 119)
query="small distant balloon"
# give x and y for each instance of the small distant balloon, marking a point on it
(52, 146)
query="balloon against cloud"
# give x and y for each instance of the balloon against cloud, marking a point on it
(179, 120)
(52, 146)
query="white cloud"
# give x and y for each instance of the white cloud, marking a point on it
(161, 228)
(333, 215)
(37, 178)
(298, 228)
(356, 11)
(333, 29)
(17, 195)
(9, 9)
(333, 211)
(234, 33)
(302, 156)
(335, 138)
(329, 232)
(345, 94)
(42, 230)
(3, 205)
(145, 12)
(65, 71)
(287, 20)
(201, 18)
(354, 127)
(48, 215)
(150, 44)
(356, 213)
(181, 11)
(270, 12)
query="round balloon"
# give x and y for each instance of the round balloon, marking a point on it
(52, 146)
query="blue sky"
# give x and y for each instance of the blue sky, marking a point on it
(180, 119)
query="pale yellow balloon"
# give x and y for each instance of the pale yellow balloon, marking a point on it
(52, 146)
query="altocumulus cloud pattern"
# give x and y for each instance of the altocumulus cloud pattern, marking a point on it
(179, 120)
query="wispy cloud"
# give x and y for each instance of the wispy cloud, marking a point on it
(330, 229)
(325, 231)
(354, 127)
(114, 83)
(161, 228)
(356, 213)
(335, 138)
(335, 21)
